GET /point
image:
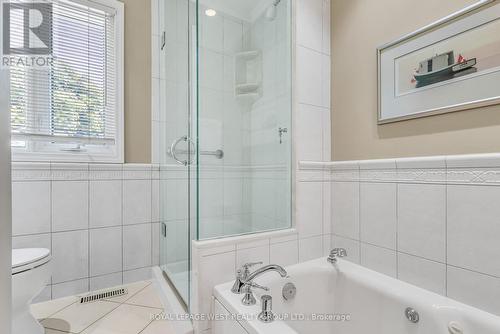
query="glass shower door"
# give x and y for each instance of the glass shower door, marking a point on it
(176, 145)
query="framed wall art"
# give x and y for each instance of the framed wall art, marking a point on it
(450, 65)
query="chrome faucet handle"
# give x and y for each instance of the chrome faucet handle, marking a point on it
(246, 266)
(249, 298)
(241, 277)
(255, 285)
(335, 254)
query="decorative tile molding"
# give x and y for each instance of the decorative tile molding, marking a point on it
(481, 169)
(430, 221)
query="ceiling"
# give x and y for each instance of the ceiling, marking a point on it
(246, 10)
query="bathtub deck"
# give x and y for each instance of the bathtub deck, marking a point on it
(129, 314)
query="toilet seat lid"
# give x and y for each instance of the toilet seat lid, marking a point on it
(28, 258)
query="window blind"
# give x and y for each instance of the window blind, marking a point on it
(75, 99)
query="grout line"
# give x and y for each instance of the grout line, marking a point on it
(446, 228)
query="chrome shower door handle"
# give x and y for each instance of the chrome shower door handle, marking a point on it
(173, 147)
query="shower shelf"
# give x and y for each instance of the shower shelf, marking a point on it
(247, 88)
(248, 75)
(247, 54)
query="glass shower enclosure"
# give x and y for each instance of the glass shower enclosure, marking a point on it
(225, 124)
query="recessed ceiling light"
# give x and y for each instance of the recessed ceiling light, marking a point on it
(210, 12)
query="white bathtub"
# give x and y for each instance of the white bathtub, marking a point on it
(374, 303)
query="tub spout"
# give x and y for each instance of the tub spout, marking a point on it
(245, 278)
(272, 267)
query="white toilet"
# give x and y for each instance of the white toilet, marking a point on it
(31, 272)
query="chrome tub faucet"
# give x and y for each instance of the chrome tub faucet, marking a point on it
(244, 280)
(335, 254)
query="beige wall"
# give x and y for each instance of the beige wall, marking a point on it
(137, 81)
(358, 28)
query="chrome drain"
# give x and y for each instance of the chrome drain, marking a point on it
(412, 315)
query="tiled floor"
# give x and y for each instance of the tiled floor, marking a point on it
(129, 314)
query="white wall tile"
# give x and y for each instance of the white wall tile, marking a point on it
(258, 254)
(310, 248)
(155, 244)
(326, 80)
(105, 203)
(309, 139)
(351, 246)
(105, 250)
(379, 259)
(70, 205)
(473, 228)
(284, 253)
(327, 244)
(326, 27)
(212, 31)
(32, 241)
(233, 36)
(474, 289)
(213, 270)
(378, 214)
(310, 23)
(136, 201)
(30, 207)
(422, 220)
(136, 246)
(423, 273)
(309, 210)
(44, 296)
(136, 275)
(327, 208)
(70, 256)
(345, 209)
(105, 281)
(70, 288)
(155, 201)
(309, 76)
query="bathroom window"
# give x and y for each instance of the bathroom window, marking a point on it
(72, 110)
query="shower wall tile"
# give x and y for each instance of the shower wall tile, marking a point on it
(76, 211)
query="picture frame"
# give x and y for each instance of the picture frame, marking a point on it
(450, 65)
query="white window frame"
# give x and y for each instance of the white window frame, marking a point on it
(19, 154)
